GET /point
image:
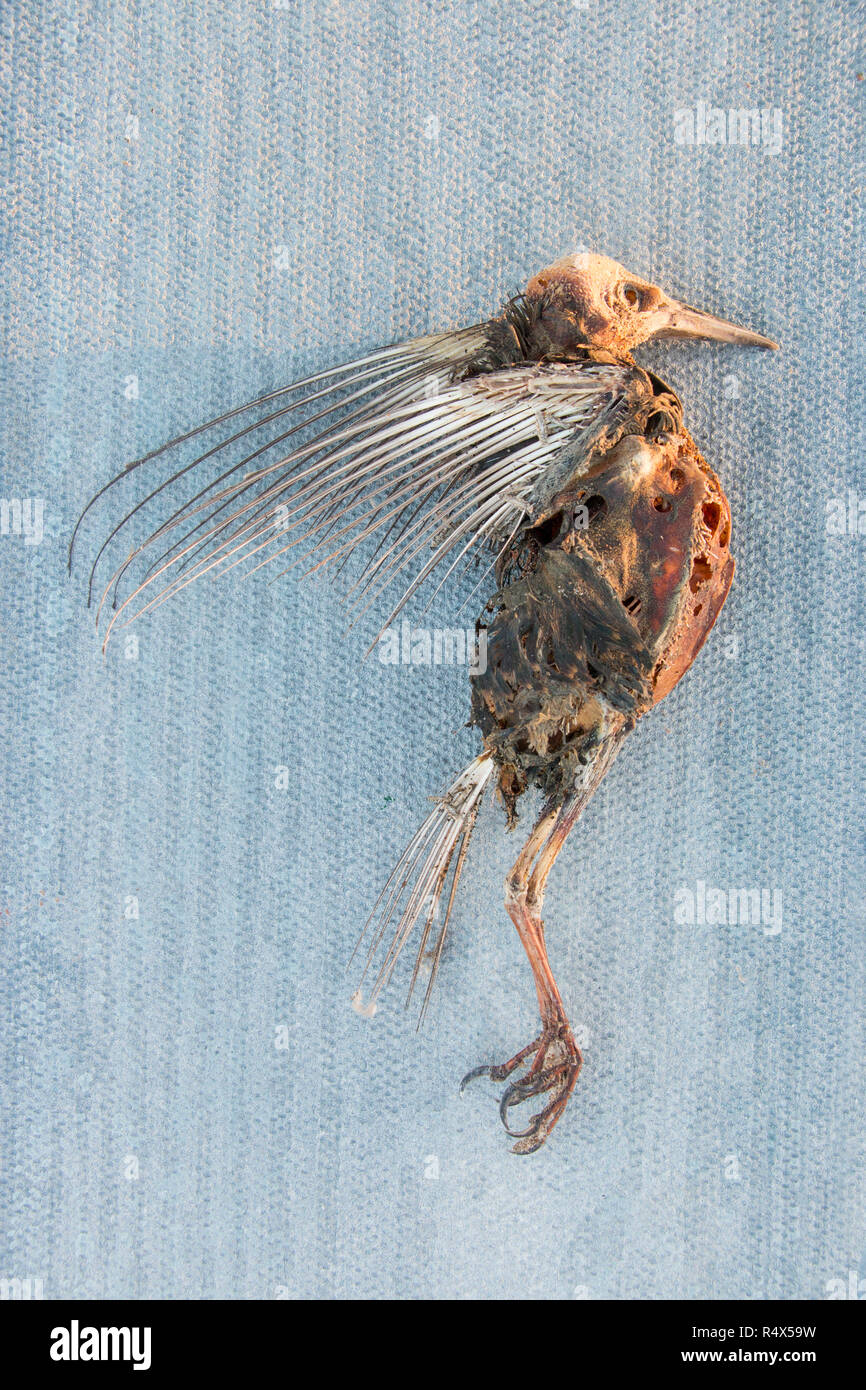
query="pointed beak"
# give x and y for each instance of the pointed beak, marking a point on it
(675, 320)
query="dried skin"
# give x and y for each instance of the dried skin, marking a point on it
(536, 438)
(604, 605)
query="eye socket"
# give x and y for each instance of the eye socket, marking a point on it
(631, 295)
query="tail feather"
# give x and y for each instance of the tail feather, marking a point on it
(417, 885)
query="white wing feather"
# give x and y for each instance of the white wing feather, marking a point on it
(409, 454)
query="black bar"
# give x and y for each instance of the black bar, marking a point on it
(230, 1338)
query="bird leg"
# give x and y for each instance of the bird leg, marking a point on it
(556, 1057)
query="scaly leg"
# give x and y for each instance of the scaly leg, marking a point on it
(556, 1057)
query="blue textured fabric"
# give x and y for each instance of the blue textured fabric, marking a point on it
(200, 202)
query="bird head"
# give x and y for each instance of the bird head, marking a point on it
(589, 300)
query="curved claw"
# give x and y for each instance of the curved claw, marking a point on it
(499, 1073)
(558, 1077)
(527, 1139)
(520, 1091)
(530, 1143)
(542, 1124)
(472, 1075)
(508, 1100)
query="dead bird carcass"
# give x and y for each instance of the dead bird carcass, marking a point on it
(536, 439)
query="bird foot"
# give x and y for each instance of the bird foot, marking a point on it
(554, 1070)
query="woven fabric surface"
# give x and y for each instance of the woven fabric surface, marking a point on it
(199, 203)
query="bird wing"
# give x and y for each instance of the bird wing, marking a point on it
(420, 448)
